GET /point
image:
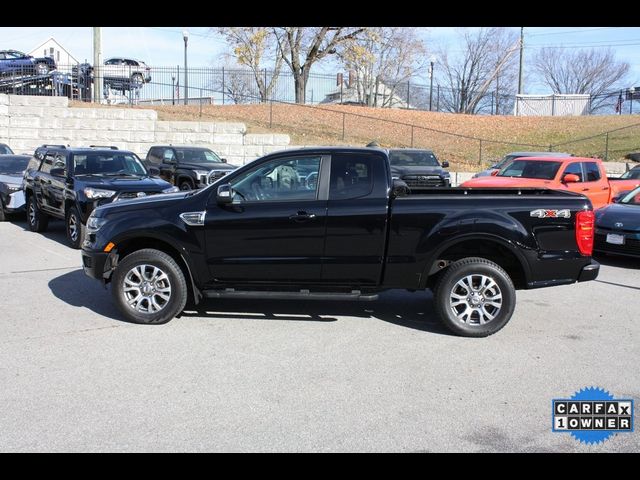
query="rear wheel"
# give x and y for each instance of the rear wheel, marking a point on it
(75, 228)
(42, 69)
(3, 216)
(149, 287)
(38, 221)
(137, 80)
(475, 297)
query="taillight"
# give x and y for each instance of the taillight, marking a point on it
(584, 231)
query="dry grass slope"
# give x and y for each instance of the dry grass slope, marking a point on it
(348, 125)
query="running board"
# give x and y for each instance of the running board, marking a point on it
(302, 294)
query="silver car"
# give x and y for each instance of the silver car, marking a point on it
(512, 156)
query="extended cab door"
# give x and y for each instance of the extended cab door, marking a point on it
(274, 231)
(356, 219)
(591, 182)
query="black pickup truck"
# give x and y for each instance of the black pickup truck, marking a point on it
(350, 232)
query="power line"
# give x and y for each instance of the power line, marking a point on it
(567, 32)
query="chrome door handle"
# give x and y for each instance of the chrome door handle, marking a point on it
(302, 217)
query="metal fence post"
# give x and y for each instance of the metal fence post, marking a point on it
(201, 102)
(606, 147)
(270, 113)
(438, 98)
(550, 148)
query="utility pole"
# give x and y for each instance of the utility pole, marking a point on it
(97, 64)
(521, 58)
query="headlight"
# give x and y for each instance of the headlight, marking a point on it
(446, 174)
(171, 190)
(94, 223)
(13, 187)
(94, 193)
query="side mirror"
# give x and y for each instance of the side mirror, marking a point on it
(224, 194)
(445, 164)
(617, 198)
(153, 171)
(399, 188)
(495, 172)
(58, 172)
(224, 160)
(570, 178)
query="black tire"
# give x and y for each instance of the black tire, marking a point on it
(3, 215)
(37, 220)
(495, 314)
(185, 184)
(137, 79)
(74, 228)
(146, 259)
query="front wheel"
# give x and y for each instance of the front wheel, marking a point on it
(149, 287)
(475, 297)
(185, 185)
(3, 216)
(75, 228)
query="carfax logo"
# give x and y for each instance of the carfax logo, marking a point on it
(592, 415)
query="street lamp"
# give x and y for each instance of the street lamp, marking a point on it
(631, 92)
(185, 36)
(432, 61)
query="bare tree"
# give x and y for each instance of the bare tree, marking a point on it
(487, 56)
(257, 49)
(583, 71)
(301, 47)
(235, 84)
(387, 55)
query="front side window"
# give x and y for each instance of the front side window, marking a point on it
(108, 164)
(574, 169)
(290, 178)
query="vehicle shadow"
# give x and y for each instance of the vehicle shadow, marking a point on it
(55, 230)
(411, 310)
(618, 261)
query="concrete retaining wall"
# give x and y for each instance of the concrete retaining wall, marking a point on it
(27, 122)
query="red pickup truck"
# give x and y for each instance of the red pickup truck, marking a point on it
(586, 176)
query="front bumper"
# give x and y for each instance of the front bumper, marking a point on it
(16, 201)
(97, 264)
(589, 272)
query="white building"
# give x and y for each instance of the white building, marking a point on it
(51, 48)
(354, 92)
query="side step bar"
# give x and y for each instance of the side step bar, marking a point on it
(301, 295)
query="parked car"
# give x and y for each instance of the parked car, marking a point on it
(13, 62)
(618, 226)
(349, 235)
(68, 183)
(493, 169)
(633, 174)
(12, 168)
(419, 169)
(187, 167)
(125, 72)
(5, 149)
(585, 176)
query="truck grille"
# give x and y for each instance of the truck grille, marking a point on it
(630, 247)
(130, 195)
(215, 175)
(423, 181)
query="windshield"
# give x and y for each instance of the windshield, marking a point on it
(413, 159)
(11, 165)
(108, 164)
(505, 160)
(633, 174)
(5, 150)
(199, 155)
(545, 170)
(632, 198)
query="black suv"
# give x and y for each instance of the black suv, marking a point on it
(187, 167)
(419, 169)
(68, 183)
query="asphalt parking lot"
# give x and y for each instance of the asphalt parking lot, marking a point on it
(298, 376)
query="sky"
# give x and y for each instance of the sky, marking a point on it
(164, 46)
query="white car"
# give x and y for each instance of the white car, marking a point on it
(125, 72)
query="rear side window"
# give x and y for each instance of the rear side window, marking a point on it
(48, 162)
(592, 171)
(351, 176)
